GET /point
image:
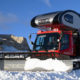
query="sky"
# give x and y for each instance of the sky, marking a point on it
(15, 15)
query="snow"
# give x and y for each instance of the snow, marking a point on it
(50, 64)
(10, 49)
(7, 75)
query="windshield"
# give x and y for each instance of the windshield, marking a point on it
(47, 41)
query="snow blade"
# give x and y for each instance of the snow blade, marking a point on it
(28, 61)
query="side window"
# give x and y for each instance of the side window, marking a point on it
(68, 18)
(40, 40)
(65, 42)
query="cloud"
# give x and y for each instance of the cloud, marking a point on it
(47, 2)
(7, 18)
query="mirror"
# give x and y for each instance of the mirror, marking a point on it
(30, 36)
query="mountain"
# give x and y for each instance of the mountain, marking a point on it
(11, 42)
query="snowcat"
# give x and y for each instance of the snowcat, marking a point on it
(57, 42)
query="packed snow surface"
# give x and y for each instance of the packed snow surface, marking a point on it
(73, 75)
(48, 64)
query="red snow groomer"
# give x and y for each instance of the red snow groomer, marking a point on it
(58, 36)
(57, 45)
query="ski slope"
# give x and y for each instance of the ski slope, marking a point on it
(6, 75)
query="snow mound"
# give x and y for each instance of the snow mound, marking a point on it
(48, 65)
